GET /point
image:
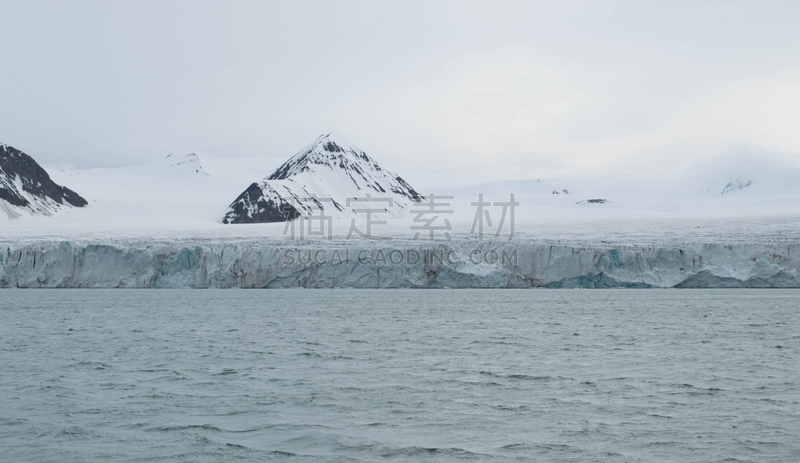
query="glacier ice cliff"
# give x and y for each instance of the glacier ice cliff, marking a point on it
(408, 264)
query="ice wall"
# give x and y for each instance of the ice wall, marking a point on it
(183, 264)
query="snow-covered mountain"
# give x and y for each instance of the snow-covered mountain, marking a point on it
(190, 163)
(323, 175)
(26, 188)
(522, 188)
(742, 174)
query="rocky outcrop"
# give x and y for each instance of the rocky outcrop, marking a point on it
(26, 188)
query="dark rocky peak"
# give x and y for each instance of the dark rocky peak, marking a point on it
(24, 184)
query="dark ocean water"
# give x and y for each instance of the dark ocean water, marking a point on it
(402, 375)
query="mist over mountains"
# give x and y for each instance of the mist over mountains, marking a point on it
(203, 190)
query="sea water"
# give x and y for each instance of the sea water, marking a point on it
(399, 375)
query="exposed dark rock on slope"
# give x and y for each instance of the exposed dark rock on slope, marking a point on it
(26, 188)
(322, 175)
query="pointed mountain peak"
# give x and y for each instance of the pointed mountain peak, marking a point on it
(331, 141)
(334, 143)
(328, 151)
(331, 168)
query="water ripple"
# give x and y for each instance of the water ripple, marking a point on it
(406, 375)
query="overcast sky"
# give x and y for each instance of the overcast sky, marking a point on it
(426, 87)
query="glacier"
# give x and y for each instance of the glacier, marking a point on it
(368, 264)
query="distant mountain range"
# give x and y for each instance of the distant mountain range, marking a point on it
(26, 188)
(324, 175)
(198, 190)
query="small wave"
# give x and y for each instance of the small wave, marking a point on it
(517, 376)
(514, 446)
(507, 408)
(12, 421)
(75, 432)
(530, 377)
(96, 365)
(209, 427)
(281, 453)
(415, 451)
(702, 389)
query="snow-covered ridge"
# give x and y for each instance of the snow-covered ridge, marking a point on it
(520, 187)
(323, 175)
(190, 163)
(26, 188)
